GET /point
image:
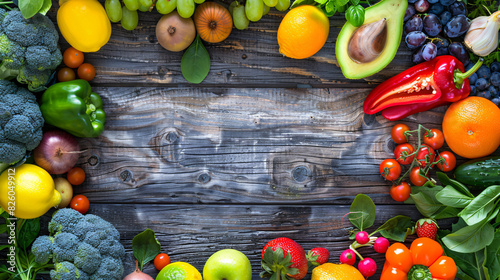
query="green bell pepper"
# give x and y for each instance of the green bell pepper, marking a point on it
(73, 107)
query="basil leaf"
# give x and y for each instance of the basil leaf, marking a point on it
(297, 3)
(362, 212)
(330, 8)
(29, 8)
(354, 2)
(426, 204)
(491, 264)
(340, 3)
(471, 239)
(195, 63)
(397, 228)
(145, 247)
(480, 207)
(449, 196)
(47, 4)
(355, 15)
(29, 231)
(321, 2)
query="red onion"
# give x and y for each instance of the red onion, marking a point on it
(58, 152)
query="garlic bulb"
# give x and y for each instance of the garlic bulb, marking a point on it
(482, 37)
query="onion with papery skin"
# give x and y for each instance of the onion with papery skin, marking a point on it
(368, 42)
(58, 152)
(137, 274)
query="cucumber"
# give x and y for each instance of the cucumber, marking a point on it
(480, 173)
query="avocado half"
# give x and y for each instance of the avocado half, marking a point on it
(393, 11)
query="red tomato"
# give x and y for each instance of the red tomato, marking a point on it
(435, 140)
(415, 177)
(66, 74)
(72, 57)
(80, 203)
(390, 169)
(86, 71)
(161, 260)
(400, 192)
(451, 161)
(398, 133)
(425, 154)
(76, 176)
(402, 151)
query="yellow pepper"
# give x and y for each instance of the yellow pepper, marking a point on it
(84, 24)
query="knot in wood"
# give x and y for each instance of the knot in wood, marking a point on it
(93, 160)
(301, 173)
(204, 178)
(126, 175)
(171, 137)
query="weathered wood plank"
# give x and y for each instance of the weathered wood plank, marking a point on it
(248, 58)
(238, 146)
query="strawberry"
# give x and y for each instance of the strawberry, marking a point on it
(318, 256)
(426, 228)
(283, 258)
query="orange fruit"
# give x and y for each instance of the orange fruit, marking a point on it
(330, 271)
(303, 32)
(471, 127)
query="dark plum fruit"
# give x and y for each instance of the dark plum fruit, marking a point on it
(447, 2)
(443, 51)
(458, 50)
(495, 66)
(436, 9)
(421, 6)
(432, 25)
(482, 84)
(472, 78)
(410, 11)
(429, 51)
(415, 39)
(495, 78)
(415, 23)
(484, 72)
(457, 8)
(417, 57)
(445, 17)
(457, 26)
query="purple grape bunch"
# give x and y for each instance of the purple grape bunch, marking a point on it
(436, 27)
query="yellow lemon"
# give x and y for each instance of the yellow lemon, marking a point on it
(84, 24)
(330, 271)
(27, 191)
(179, 271)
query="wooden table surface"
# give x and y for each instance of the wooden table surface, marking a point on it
(265, 147)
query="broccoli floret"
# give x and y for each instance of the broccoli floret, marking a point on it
(110, 269)
(67, 271)
(64, 220)
(28, 49)
(89, 243)
(87, 258)
(42, 249)
(21, 123)
(65, 246)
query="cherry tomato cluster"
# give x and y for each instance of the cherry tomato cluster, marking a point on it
(73, 59)
(419, 158)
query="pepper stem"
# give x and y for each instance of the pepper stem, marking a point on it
(459, 77)
(419, 272)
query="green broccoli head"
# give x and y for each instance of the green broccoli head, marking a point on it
(42, 249)
(67, 271)
(65, 246)
(28, 49)
(87, 258)
(111, 247)
(21, 122)
(91, 224)
(64, 220)
(109, 269)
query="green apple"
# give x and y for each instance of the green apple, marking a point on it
(227, 264)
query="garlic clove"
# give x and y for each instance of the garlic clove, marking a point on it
(482, 36)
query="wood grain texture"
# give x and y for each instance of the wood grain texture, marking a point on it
(248, 58)
(218, 145)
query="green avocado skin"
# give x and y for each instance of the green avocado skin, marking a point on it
(391, 10)
(479, 173)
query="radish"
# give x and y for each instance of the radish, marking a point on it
(138, 274)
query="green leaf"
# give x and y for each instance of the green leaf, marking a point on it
(446, 212)
(321, 2)
(195, 63)
(3, 228)
(268, 256)
(47, 4)
(397, 228)
(470, 239)
(430, 191)
(3, 247)
(481, 206)
(491, 264)
(145, 247)
(427, 205)
(362, 212)
(449, 196)
(28, 233)
(330, 8)
(446, 181)
(1, 210)
(354, 2)
(297, 3)
(29, 8)
(340, 3)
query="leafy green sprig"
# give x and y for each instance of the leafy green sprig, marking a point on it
(331, 7)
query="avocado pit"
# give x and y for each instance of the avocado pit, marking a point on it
(368, 41)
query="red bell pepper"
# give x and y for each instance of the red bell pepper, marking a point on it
(423, 261)
(422, 87)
